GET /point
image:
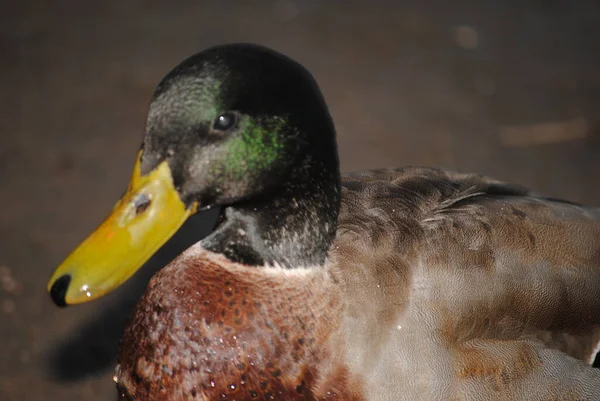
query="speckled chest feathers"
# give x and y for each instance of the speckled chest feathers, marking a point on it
(204, 331)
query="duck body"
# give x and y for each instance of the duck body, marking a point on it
(405, 284)
(423, 297)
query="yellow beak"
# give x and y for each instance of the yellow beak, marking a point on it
(141, 222)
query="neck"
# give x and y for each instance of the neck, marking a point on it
(292, 226)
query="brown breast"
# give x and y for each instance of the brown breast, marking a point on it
(206, 330)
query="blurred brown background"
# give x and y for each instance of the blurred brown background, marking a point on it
(510, 89)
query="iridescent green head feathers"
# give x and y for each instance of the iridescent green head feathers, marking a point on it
(234, 121)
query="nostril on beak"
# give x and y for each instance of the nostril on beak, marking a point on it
(141, 203)
(59, 290)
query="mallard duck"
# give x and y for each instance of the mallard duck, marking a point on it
(396, 284)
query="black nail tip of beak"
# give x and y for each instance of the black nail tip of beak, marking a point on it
(59, 290)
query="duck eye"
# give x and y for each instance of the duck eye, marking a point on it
(225, 121)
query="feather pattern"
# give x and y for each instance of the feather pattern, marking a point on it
(446, 272)
(438, 285)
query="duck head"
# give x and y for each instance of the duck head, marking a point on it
(239, 127)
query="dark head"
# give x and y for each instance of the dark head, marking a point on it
(234, 121)
(235, 126)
